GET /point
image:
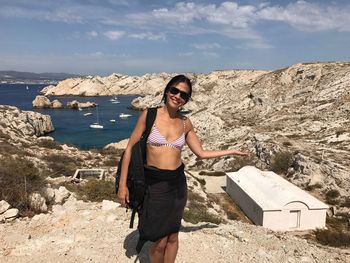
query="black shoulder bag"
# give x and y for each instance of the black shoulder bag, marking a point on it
(136, 175)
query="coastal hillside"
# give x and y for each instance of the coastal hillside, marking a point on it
(84, 226)
(295, 120)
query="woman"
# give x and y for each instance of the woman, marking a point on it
(167, 189)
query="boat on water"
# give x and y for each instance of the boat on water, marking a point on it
(87, 114)
(116, 101)
(124, 116)
(27, 88)
(97, 124)
(80, 109)
(112, 120)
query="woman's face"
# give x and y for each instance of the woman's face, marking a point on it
(175, 97)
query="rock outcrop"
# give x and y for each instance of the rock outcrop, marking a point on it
(44, 102)
(115, 84)
(17, 123)
(76, 104)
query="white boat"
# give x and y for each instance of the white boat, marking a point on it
(124, 116)
(97, 124)
(27, 88)
(87, 114)
(80, 109)
(116, 101)
(112, 120)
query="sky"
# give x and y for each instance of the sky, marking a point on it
(135, 37)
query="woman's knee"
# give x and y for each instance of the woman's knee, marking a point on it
(160, 245)
(173, 238)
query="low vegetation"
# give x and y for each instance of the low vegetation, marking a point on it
(18, 179)
(232, 211)
(94, 190)
(61, 165)
(337, 233)
(49, 144)
(281, 162)
(197, 210)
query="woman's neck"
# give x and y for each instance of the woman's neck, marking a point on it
(172, 113)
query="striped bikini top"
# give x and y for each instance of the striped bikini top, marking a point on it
(155, 138)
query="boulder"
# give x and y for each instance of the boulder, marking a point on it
(41, 102)
(4, 206)
(11, 213)
(61, 195)
(49, 194)
(56, 104)
(37, 202)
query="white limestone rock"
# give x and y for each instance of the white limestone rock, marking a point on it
(56, 104)
(41, 102)
(11, 213)
(109, 205)
(61, 195)
(121, 145)
(49, 194)
(37, 202)
(4, 206)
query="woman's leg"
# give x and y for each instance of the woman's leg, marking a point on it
(171, 248)
(157, 250)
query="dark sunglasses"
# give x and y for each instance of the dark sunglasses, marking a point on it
(184, 95)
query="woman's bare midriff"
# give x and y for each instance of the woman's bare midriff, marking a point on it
(163, 157)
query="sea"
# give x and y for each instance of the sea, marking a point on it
(71, 126)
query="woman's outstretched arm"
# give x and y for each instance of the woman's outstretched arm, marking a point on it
(195, 145)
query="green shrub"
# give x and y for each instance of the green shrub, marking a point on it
(61, 165)
(346, 202)
(333, 238)
(49, 144)
(214, 173)
(18, 179)
(197, 210)
(281, 162)
(94, 190)
(333, 193)
(111, 161)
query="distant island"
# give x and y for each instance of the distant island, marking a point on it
(17, 77)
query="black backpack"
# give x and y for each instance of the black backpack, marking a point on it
(136, 175)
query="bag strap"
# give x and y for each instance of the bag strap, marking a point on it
(150, 118)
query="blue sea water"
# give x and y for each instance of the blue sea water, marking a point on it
(71, 126)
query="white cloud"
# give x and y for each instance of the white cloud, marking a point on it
(310, 17)
(204, 46)
(210, 54)
(92, 34)
(114, 35)
(149, 36)
(186, 54)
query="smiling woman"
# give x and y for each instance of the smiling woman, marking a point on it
(166, 195)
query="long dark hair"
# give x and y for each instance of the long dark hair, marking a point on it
(176, 80)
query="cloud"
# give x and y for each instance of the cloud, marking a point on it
(149, 36)
(204, 46)
(185, 54)
(114, 35)
(306, 16)
(92, 34)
